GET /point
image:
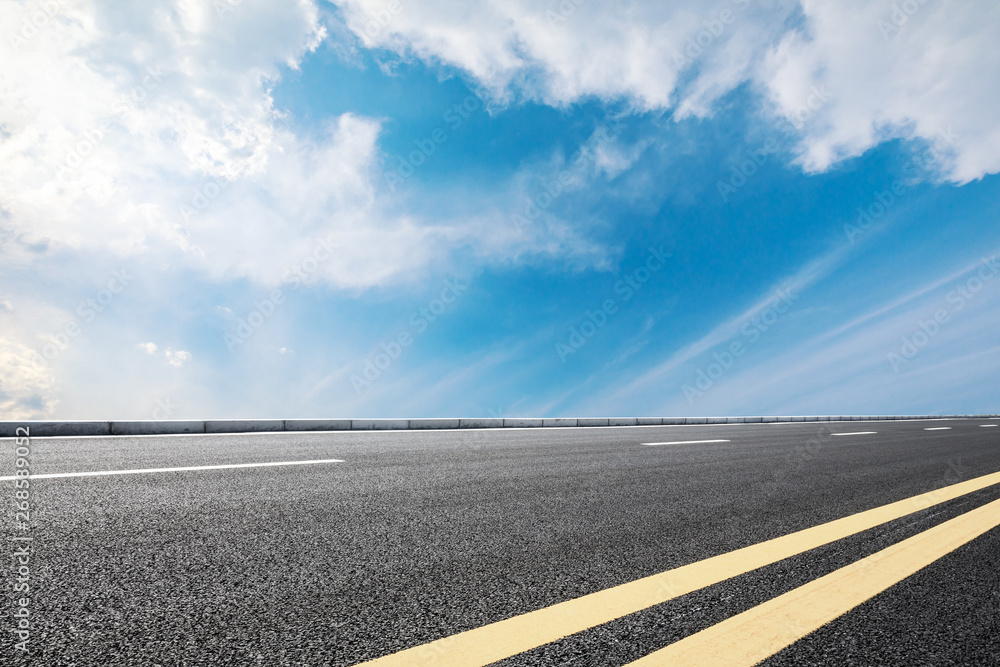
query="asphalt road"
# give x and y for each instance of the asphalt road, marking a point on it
(416, 536)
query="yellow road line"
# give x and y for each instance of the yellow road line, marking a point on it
(487, 644)
(756, 634)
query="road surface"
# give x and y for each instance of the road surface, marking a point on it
(367, 544)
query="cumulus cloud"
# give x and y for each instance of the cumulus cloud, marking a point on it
(177, 358)
(26, 384)
(148, 348)
(149, 129)
(110, 111)
(865, 72)
(907, 70)
(562, 52)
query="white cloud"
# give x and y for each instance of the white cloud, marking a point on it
(929, 74)
(26, 384)
(562, 52)
(110, 111)
(177, 357)
(149, 129)
(148, 348)
(932, 75)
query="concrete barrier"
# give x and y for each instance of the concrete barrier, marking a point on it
(244, 425)
(515, 422)
(44, 429)
(48, 428)
(165, 427)
(480, 423)
(418, 424)
(317, 424)
(380, 424)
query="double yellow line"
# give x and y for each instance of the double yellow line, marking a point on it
(746, 638)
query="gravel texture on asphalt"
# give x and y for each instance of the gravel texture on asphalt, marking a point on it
(419, 535)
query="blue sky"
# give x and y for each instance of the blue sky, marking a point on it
(374, 209)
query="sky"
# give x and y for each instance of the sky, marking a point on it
(391, 208)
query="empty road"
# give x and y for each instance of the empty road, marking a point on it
(556, 546)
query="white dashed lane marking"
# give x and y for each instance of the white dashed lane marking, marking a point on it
(141, 471)
(681, 442)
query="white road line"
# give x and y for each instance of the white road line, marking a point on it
(140, 471)
(938, 428)
(681, 442)
(987, 426)
(857, 433)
